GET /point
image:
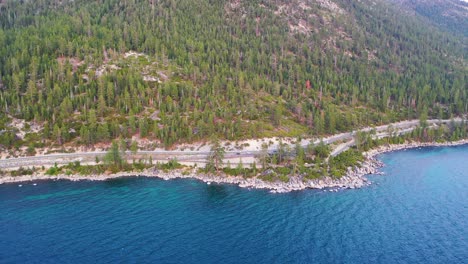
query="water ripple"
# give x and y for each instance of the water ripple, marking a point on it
(415, 214)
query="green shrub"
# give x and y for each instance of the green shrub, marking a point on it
(170, 165)
(283, 178)
(53, 171)
(22, 171)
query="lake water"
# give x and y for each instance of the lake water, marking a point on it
(416, 213)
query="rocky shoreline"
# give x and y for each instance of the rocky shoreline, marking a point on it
(371, 154)
(352, 180)
(355, 177)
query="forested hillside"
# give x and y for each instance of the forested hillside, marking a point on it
(83, 72)
(451, 15)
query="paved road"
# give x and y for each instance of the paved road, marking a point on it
(400, 128)
(200, 156)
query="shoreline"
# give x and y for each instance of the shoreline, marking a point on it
(355, 178)
(411, 145)
(352, 181)
(371, 155)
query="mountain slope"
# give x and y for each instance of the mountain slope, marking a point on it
(84, 72)
(449, 15)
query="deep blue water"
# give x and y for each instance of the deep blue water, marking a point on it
(416, 213)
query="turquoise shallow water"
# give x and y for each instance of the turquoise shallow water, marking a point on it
(416, 213)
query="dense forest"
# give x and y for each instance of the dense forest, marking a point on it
(451, 15)
(83, 72)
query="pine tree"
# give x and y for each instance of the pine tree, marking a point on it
(113, 156)
(216, 156)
